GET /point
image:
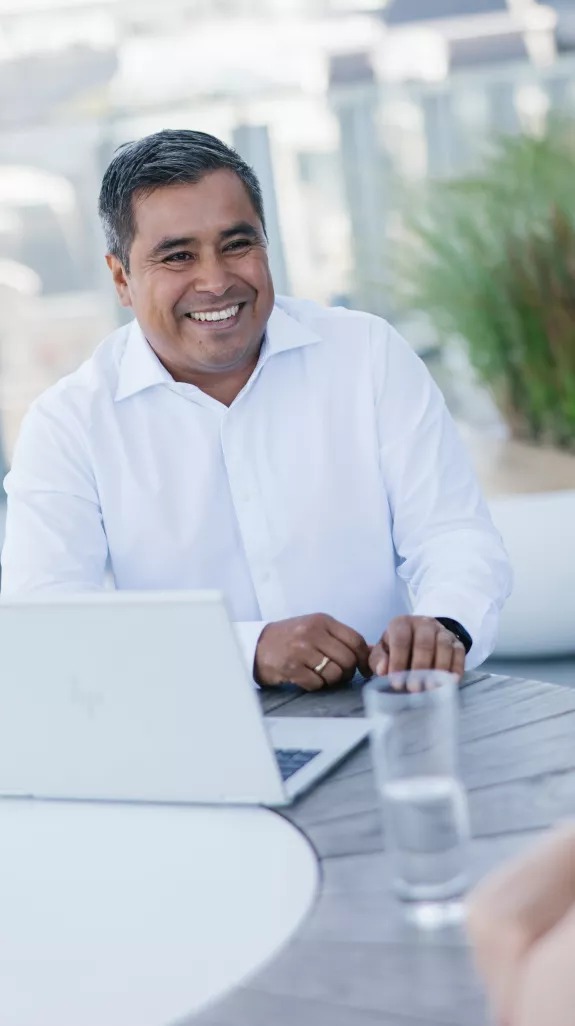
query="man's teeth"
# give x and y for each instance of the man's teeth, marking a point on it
(216, 315)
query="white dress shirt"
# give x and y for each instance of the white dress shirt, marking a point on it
(335, 483)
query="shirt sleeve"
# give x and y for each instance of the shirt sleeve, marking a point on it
(55, 539)
(448, 550)
(248, 634)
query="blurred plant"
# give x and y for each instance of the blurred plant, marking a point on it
(492, 260)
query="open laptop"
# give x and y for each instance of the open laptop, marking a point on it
(145, 696)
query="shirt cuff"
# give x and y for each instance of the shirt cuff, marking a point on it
(248, 634)
(478, 615)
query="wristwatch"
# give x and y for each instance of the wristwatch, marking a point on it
(460, 633)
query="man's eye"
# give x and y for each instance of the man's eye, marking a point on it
(237, 244)
(178, 258)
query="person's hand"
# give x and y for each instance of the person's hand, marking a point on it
(417, 643)
(289, 650)
(522, 923)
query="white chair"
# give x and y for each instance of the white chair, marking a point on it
(539, 533)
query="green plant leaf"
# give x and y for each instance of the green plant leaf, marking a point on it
(491, 258)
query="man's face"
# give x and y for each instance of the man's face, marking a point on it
(199, 280)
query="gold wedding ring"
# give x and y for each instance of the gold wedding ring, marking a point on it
(321, 666)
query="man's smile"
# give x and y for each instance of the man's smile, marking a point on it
(226, 317)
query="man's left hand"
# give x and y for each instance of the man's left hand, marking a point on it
(417, 643)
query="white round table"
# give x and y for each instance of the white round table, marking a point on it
(127, 915)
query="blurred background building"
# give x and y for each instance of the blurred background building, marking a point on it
(340, 105)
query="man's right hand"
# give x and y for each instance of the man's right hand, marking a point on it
(289, 650)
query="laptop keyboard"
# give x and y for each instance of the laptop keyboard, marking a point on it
(290, 760)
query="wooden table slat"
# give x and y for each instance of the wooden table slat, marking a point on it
(543, 747)
(256, 1008)
(350, 974)
(289, 700)
(520, 708)
(274, 698)
(474, 676)
(364, 875)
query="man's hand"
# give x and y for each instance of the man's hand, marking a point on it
(417, 643)
(289, 650)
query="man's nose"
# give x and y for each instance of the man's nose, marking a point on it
(211, 275)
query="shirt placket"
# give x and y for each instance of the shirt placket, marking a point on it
(245, 477)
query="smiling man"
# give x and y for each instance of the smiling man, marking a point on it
(298, 458)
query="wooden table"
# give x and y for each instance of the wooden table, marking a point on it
(355, 961)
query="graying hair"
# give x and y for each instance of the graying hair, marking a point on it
(166, 158)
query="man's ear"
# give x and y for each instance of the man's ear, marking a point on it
(120, 279)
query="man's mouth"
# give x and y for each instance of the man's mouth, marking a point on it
(229, 313)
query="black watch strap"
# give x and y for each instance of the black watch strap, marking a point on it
(460, 633)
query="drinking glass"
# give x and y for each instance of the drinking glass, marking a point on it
(413, 731)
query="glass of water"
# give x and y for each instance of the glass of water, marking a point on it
(413, 729)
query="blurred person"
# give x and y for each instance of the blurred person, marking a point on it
(296, 457)
(522, 923)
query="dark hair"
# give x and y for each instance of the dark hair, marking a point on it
(166, 158)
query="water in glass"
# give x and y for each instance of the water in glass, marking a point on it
(426, 828)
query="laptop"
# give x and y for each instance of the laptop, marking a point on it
(145, 697)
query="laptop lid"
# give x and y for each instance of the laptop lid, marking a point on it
(138, 696)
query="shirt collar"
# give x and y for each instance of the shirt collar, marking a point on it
(140, 368)
(285, 332)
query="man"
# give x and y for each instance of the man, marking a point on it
(298, 458)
